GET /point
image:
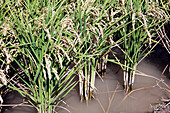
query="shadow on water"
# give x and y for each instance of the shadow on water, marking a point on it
(161, 59)
(15, 99)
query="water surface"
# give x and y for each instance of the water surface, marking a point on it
(139, 101)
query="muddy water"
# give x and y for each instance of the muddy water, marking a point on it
(139, 101)
(13, 101)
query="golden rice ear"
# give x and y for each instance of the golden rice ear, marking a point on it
(3, 78)
(56, 74)
(48, 66)
(45, 75)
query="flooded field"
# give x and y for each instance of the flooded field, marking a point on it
(146, 93)
(110, 97)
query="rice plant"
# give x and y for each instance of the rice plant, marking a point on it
(80, 29)
(138, 34)
(91, 27)
(54, 41)
(43, 55)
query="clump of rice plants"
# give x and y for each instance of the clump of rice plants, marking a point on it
(43, 53)
(54, 41)
(92, 27)
(138, 34)
(87, 33)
